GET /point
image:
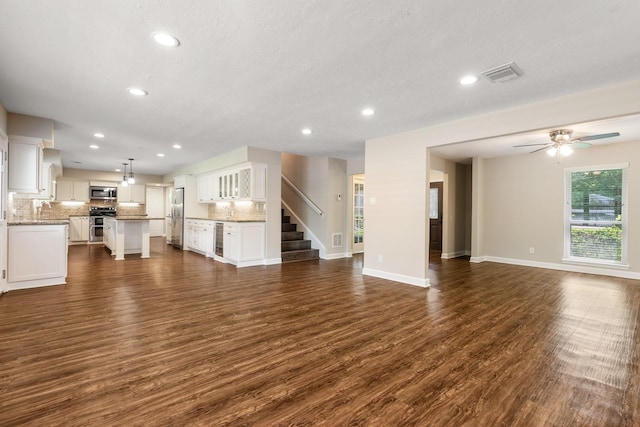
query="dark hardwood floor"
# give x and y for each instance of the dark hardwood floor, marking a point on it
(182, 340)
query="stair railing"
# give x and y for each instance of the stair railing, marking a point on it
(303, 196)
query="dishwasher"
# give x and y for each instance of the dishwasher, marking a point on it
(219, 249)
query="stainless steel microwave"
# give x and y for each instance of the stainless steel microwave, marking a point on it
(103, 193)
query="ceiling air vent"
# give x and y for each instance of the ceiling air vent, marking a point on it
(502, 73)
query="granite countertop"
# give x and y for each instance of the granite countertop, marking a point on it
(226, 220)
(135, 218)
(39, 222)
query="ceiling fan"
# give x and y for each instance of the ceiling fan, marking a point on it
(562, 144)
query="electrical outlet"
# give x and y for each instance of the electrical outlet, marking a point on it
(532, 250)
(380, 258)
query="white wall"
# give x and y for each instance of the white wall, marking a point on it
(524, 202)
(396, 208)
(3, 120)
(397, 174)
(34, 127)
(272, 160)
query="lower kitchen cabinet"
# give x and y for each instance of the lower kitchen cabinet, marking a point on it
(199, 236)
(244, 243)
(78, 228)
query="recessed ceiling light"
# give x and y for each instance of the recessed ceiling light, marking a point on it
(165, 39)
(136, 91)
(160, 155)
(306, 131)
(368, 112)
(118, 170)
(94, 146)
(177, 146)
(468, 80)
(99, 135)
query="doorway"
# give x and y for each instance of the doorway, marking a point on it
(357, 244)
(435, 216)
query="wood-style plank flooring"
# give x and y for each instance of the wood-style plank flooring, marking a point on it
(180, 340)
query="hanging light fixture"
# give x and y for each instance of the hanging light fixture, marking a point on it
(124, 182)
(131, 179)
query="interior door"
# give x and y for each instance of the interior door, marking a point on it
(358, 214)
(435, 216)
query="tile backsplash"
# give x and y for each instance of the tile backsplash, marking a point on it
(239, 211)
(28, 209)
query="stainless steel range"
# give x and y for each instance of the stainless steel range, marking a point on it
(96, 221)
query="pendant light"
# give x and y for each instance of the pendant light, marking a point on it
(124, 182)
(131, 179)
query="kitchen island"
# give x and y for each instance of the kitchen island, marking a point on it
(125, 235)
(37, 253)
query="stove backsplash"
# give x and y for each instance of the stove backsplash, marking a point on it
(19, 209)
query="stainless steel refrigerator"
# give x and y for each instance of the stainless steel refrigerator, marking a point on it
(177, 217)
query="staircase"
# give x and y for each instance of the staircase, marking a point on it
(293, 246)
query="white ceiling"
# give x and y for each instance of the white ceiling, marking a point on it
(256, 72)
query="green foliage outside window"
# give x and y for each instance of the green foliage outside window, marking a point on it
(603, 243)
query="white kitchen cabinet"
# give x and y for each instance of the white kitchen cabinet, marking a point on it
(252, 183)
(78, 228)
(208, 236)
(25, 165)
(49, 177)
(244, 243)
(72, 191)
(228, 185)
(245, 182)
(230, 239)
(132, 193)
(199, 235)
(206, 188)
(37, 255)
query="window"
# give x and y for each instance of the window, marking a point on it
(595, 219)
(358, 212)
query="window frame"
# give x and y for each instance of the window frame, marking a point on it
(567, 257)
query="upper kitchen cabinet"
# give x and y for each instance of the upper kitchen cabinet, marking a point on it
(25, 165)
(246, 182)
(132, 193)
(33, 163)
(72, 191)
(50, 175)
(207, 188)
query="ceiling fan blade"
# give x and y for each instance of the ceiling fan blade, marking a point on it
(579, 144)
(599, 136)
(539, 149)
(532, 145)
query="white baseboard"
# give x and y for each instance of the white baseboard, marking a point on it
(453, 254)
(336, 256)
(477, 259)
(272, 261)
(415, 281)
(564, 267)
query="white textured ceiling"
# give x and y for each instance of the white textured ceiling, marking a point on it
(256, 72)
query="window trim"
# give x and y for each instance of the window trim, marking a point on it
(567, 258)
